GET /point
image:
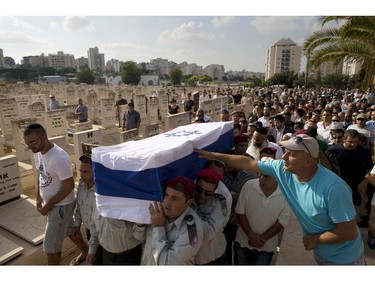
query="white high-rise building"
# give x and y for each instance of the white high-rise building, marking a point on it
(61, 60)
(215, 71)
(2, 61)
(95, 60)
(283, 56)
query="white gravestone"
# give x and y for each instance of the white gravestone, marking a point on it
(82, 126)
(176, 120)
(107, 113)
(40, 98)
(216, 109)
(10, 182)
(151, 130)
(152, 111)
(92, 136)
(57, 124)
(8, 112)
(163, 105)
(71, 97)
(8, 250)
(140, 106)
(23, 106)
(130, 135)
(38, 110)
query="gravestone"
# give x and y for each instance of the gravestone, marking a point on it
(37, 111)
(176, 120)
(10, 182)
(18, 127)
(8, 112)
(40, 98)
(163, 104)
(130, 135)
(2, 143)
(107, 113)
(23, 106)
(71, 97)
(22, 218)
(216, 109)
(151, 130)
(57, 124)
(8, 250)
(92, 136)
(140, 106)
(152, 111)
(82, 126)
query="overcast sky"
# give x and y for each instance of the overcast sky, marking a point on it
(237, 42)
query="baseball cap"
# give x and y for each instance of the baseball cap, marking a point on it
(51, 95)
(183, 184)
(361, 116)
(302, 142)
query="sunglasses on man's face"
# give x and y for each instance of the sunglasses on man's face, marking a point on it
(203, 191)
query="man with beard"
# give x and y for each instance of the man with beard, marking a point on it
(260, 141)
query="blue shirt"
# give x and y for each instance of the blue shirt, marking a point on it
(85, 110)
(318, 206)
(54, 104)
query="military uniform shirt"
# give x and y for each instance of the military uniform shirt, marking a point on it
(85, 204)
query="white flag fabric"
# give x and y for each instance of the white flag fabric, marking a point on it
(131, 175)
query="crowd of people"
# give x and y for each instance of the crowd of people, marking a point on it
(309, 152)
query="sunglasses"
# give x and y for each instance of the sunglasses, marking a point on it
(298, 140)
(206, 193)
(30, 143)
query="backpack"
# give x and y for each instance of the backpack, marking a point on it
(330, 162)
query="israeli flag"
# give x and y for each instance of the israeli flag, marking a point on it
(131, 175)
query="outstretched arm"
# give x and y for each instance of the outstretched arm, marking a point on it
(235, 161)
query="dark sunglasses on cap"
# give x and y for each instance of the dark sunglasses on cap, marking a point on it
(299, 140)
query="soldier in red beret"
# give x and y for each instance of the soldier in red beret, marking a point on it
(176, 233)
(212, 209)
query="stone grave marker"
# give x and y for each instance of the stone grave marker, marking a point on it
(10, 182)
(23, 106)
(8, 250)
(2, 143)
(22, 218)
(107, 113)
(163, 104)
(176, 120)
(38, 110)
(216, 109)
(152, 111)
(129, 135)
(8, 112)
(57, 124)
(151, 130)
(82, 126)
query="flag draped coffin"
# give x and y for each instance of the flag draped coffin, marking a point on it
(131, 175)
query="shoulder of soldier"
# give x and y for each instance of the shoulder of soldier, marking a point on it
(223, 203)
(192, 229)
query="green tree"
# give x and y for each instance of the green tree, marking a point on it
(130, 74)
(283, 78)
(85, 75)
(192, 81)
(175, 75)
(353, 40)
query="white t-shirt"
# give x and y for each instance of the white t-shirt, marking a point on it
(53, 167)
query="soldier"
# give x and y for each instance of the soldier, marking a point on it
(176, 232)
(212, 209)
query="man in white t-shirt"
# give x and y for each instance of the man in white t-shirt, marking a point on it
(55, 194)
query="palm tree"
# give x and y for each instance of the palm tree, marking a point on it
(353, 40)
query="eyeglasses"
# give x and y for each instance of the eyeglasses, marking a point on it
(361, 119)
(31, 143)
(298, 140)
(204, 192)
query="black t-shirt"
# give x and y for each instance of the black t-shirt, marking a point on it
(173, 110)
(188, 105)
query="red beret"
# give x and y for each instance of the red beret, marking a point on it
(241, 138)
(210, 175)
(182, 184)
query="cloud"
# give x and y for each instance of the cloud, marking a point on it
(13, 24)
(77, 24)
(220, 21)
(271, 25)
(187, 32)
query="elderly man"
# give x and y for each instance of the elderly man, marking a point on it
(176, 232)
(311, 189)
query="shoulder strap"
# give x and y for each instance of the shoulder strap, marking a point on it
(223, 204)
(192, 230)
